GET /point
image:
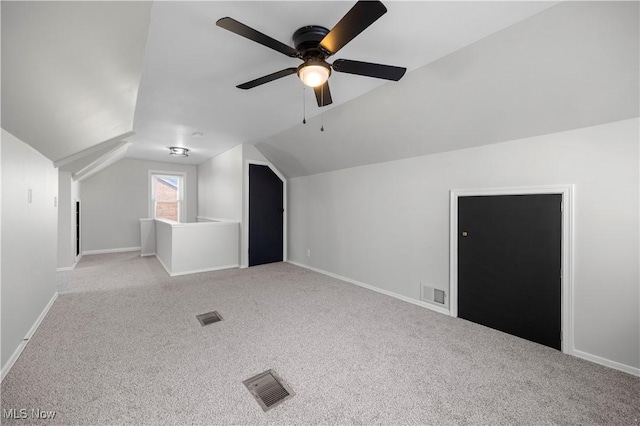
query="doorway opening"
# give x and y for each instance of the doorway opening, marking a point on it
(511, 261)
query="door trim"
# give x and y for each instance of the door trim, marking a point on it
(244, 229)
(567, 248)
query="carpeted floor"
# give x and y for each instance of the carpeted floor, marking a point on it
(122, 345)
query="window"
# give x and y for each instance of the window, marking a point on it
(167, 196)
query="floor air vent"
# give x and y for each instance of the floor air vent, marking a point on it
(209, 318)
(268, 389)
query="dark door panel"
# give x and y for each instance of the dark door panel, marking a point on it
(509, 261)
(77, 228)
(266, 192)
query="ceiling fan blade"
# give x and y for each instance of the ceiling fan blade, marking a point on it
(323, 95)
(361, 15)
(387, 72)
(239, 28)
(267, 78)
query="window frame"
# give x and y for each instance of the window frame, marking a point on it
(182, 196)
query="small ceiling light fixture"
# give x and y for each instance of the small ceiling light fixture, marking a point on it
(314, 73)
(197, 134)
(178, 151)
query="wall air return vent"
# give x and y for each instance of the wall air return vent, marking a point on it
(432, 295)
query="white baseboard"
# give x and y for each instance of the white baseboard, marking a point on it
(27, 338)
(584, 355)
(195, 271)
(66, 268)
(420, 303)
(207, 219)
(607, 362)
(215, 219)
(147, 254)
(72, 267)
(115, 250)
(166, 268)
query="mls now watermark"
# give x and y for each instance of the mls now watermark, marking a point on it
(24, 413)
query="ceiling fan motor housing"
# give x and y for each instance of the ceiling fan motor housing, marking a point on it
(307, 40)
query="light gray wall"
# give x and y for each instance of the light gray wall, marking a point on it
(221, 189)
(29, 239)
(114, 199)
(387, 224)
(250, 152)
(220, 186)
(68, 194)
(65, 255)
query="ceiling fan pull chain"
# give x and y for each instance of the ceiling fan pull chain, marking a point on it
(322, 113)
(304, 107)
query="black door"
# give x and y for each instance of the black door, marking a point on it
(509, 261)
(77, 228)
(265, 216)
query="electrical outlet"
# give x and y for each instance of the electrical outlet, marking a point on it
(308, 252)
(55, 201)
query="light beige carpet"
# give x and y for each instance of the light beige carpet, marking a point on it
(122, 345)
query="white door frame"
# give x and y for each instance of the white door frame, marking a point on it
(567, 248)
(77, 242)
(244, 257)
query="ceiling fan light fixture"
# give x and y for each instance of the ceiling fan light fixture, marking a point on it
(314, 73)
(178, 151)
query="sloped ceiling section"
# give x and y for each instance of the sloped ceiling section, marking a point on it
(80, 160)
(111, 157)
(573, 65)
(192, 67)
(71, 71)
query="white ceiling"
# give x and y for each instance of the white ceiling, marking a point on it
(191, 66)
(571, 66)
(70, 72)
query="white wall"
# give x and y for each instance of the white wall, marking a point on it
(164, 243)
(199, 247)
(387, 224)
(187, 248)
(220, 186)
(65, 241)
(147, 236)
(250, 152)
(68, 194)
(29, 240)
(115, 199)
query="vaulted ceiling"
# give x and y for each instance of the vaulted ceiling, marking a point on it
(71, 72)
(79, 77)
(191, 66)
(571, 66)
(88, 83)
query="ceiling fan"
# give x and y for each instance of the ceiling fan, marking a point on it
(314, 44)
